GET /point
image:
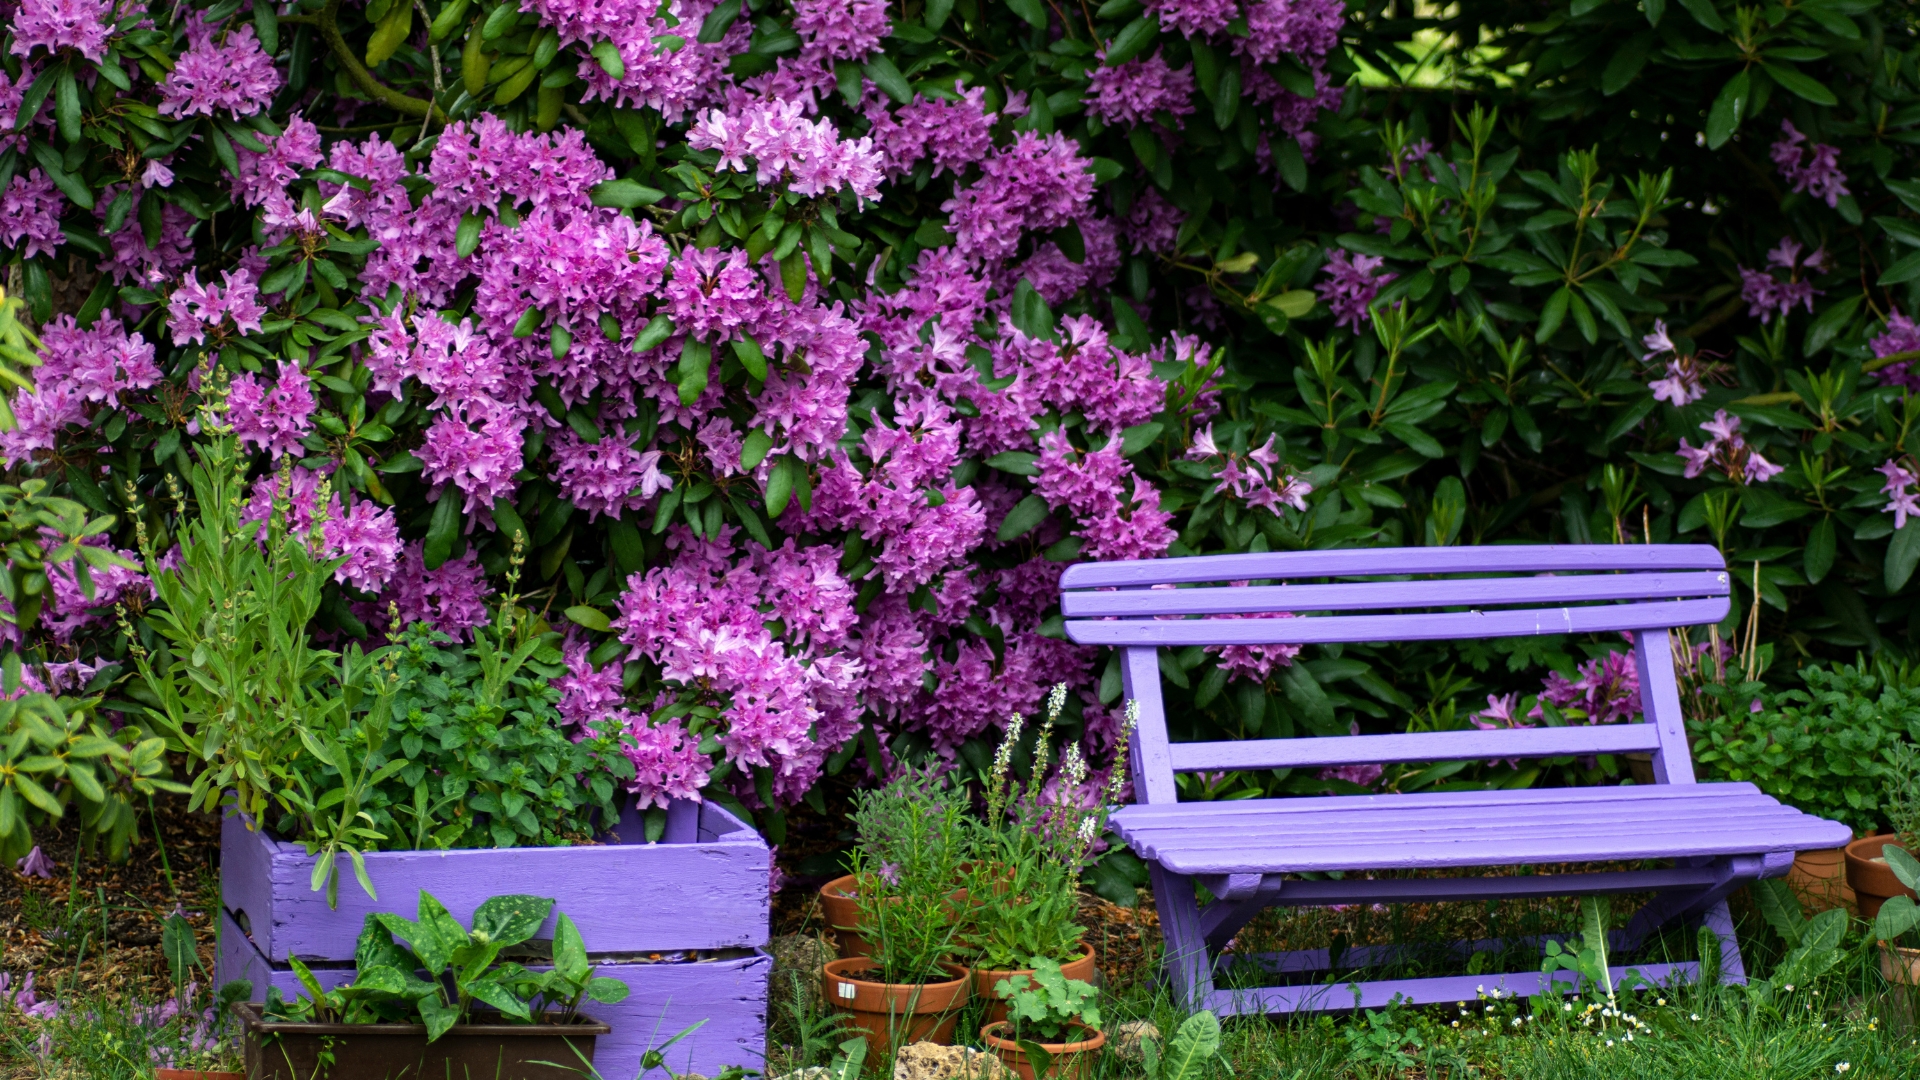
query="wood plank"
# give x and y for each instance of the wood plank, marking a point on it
(1684, 797)
(1331, 821)
(728, 992)
(1268, 858)
(1152, 771)
(625, 897)
(1350, 562)
(1494, 836)
(1426, 626)
(1356, 596)
(1412, 746)
(1442, 890)
(1341, 997)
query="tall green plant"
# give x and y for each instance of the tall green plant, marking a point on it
(236, 683)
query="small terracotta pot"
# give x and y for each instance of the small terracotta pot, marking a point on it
(1872, 879)
(1900, 966)
(1071, 1060)
(195, 1074)
(1819, 879)
(895, 1014)
(986, 980)
(840, 907)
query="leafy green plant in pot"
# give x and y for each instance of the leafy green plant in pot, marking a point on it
(906, 868)
(476, 1010)
(1028, 855)
(1053, 1024)
(1869, 867)
(1896, 920)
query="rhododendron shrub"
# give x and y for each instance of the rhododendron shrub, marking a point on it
(796, 345)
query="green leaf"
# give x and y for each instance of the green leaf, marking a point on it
(266, 25)
(658, 329)
(717, 23)
(1292, 165)
(467, 237)
(515, 918)
(570, 952)
(590, 617)
(1023, 518)
(1031, 315)
(1626, 63)
(753, 450)
(1821, 546)
(528, 322)
(443, 530)
(1804, 85)
(780, 484)
(1704, 14)
(1017, 462)
(1723, 118)
(1830, 323)
(751, 358)
(66, 106)
(1902, 553)
(1132, 40)
(888, 78)
(1908, 191)
(1905, 867)
(1901, 272)
(608, 54)
(1139, 437)
(1553, 314)
(607, 991)
(696, 368)
(1032, 12)
(625, 194)
(793, 274)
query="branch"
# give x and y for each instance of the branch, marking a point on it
(386, 95)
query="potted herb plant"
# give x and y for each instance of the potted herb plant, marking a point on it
(476, 1013)
(1052, 1027)
(1868, 870)
(1898, 915)
(1029, 851)
(885, 842)
(908, 914)
(427, 765)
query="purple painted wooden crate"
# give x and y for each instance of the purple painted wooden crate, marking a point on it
(728, 991)
(704, 887)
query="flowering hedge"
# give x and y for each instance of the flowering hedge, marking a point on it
(797, 346)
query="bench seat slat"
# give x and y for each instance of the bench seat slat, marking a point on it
(1424, 626)
(1421, 832)
(1412, 746)
(1684, 797)
(1350, 562)
(1360, 595)
(1341, 819)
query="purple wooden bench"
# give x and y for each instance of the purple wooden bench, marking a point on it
(1717, 836)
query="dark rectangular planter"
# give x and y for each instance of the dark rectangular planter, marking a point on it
(279, 1051)
(680, 922)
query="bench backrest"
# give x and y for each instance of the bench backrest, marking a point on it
(1441, 593)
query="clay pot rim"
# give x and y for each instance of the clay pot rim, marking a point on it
(1098, 1040)
(1003, 973)
(963, 976)
(169, 1073)
(1856, 849)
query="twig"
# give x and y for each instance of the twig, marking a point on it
(433, 53)
(329, 27)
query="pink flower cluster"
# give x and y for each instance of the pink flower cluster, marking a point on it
(1902, 489)
(1816, 172)
(1350, 286)
(196, 310)
(232, 73)
(365, 535)
(1094, 486)
(1901, 336)
(1684, 382)
(55, 25)
(452, 599)
(806, 156)
(1727, 451)
(30, 215)
(1134, 92)
(79, 369)
(272, 416)
(703, 622)
(1767, 296)
(1250, 477)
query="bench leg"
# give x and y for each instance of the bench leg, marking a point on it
(1238, 898)
(1189, 967)
(1720, 921)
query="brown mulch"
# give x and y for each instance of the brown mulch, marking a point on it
(93, 928)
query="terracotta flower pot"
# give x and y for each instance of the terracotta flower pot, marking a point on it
(1071, 1060)
(196, 1074)
(840, 907)
(895, 1014)
(1819, 879)
(985, 981)
(1872, 879)
(1900, 966)
(287, 1051)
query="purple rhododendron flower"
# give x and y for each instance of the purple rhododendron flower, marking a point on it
(232, 73)
(1900, 336)
(1133, 92)
(1350, 286)
(1728, 452)
(55, 25)
(1902, 490)
(30, 215)
(34, 864)
(1816, 172)
(271, 417)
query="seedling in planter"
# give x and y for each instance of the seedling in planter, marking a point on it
(1048, 1003)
